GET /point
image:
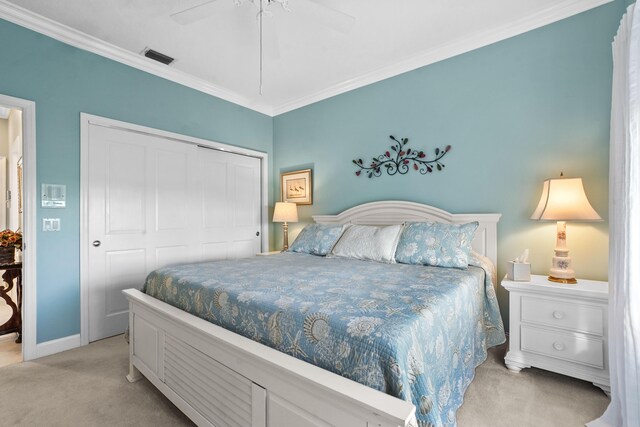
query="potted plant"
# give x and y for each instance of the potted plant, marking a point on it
(9, 242)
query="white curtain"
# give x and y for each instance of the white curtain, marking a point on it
(624, 228)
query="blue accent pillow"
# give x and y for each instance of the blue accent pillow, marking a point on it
(437, 244)
(317, 239)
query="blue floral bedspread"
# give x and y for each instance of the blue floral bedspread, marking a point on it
(411, 331)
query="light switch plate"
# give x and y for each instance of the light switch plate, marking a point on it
(50, 224)
(54, 196)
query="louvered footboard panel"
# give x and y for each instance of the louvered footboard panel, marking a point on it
(219, 394)
(212, 375)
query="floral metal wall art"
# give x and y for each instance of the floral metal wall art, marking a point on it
(401, 160)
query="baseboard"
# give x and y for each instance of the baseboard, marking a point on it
(56, 346)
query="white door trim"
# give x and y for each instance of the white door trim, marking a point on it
(4, 185)
(85, 121)
(29, 206)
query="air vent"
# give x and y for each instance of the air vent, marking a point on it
(157, 56)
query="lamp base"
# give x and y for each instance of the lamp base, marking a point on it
(561, 271)
(565, 281)
(285, 240)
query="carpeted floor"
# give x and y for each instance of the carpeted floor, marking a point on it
(87, 387)
(531, 398)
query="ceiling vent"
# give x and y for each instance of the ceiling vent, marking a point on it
(157, 56)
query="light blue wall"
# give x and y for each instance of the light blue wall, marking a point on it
(516, 112)
(64, 81)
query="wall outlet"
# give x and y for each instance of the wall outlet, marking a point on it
(50, 224)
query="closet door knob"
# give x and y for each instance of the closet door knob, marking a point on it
(558, 346)
(558, 315)
(96, 243)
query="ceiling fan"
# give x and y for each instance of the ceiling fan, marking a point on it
(310, 9)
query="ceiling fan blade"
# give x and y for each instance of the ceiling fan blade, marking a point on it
(195, 13)
(325, 15)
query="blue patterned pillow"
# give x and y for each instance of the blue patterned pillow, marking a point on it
(437, 244)
(317, 239)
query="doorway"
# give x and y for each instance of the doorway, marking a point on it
(11, 235)
(17, 184)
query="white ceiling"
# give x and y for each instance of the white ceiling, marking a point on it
(220, 54)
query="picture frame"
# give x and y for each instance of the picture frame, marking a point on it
(297, 187)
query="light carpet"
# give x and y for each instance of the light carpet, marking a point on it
(87, 387)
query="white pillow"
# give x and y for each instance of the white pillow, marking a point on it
(367, 242)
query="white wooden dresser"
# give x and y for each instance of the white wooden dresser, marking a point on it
(560, 328)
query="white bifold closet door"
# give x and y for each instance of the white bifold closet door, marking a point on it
(154, 202)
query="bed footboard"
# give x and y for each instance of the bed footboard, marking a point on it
(218, 378)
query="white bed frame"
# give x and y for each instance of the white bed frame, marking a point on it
(219, 378)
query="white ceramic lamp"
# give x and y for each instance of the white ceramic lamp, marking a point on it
(285, 212)
(563, 199)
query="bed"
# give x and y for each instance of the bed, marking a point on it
(311, 341)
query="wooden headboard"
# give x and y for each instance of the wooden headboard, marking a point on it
(390, 212)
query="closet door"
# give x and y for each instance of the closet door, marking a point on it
(154, 202)
(229, 205)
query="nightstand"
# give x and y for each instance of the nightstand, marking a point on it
(560, 328)
(268, 253)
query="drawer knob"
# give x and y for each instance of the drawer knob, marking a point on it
(558, 346)
(558, 315)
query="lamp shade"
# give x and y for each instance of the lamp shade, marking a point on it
(564, 199)
(285, 212)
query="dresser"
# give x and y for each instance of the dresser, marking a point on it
(559, 327)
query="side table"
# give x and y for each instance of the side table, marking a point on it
(559, 327)
(12, 276)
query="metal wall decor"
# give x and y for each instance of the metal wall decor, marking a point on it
(401, 160)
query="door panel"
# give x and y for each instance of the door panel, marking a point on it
(126, 201)
(214, 192)
(230, 215)
(154, 202)
(244, 181)
(125, 269)
(241, 248)
(172, 255)
(216, 250)
(172, 179)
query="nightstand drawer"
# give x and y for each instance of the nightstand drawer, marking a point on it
(586, 351)
(561, 314)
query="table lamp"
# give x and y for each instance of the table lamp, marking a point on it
(285, 212)
(563, 199)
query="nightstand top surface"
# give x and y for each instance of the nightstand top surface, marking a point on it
(540, 284)
(269, 253)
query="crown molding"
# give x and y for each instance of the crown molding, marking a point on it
(557, 12)
(70, 36)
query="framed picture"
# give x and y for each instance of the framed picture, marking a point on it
(297, 187)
